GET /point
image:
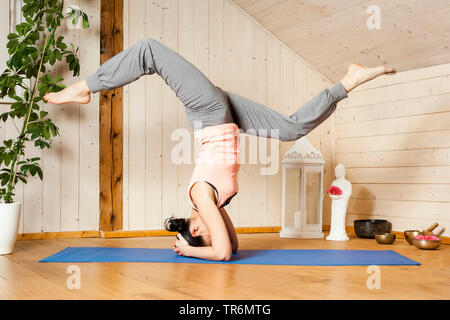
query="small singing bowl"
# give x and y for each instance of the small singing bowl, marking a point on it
(385, 238)
(427, 244)
(410, 234)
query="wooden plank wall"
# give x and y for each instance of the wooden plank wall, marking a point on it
(67, 199)
(410, 36)
(111, 122)
(238, 55)
(393, 135)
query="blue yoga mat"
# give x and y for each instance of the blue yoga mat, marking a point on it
(300, 257)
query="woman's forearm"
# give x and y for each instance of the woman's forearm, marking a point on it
(231, 231)
(208, 253)
(204, 198)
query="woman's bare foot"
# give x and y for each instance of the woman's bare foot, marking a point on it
(76, 93)
(357, 75)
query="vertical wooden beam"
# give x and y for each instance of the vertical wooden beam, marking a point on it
(111, 122)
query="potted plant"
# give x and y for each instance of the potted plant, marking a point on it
(31, 49)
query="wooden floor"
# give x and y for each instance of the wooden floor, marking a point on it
(22, 277)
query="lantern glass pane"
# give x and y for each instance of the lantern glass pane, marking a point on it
(293, 193)
(312, 197)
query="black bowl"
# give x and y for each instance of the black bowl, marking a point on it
(368, 228)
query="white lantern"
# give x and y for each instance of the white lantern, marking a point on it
(302, 191)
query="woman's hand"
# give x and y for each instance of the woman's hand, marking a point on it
(181, 246)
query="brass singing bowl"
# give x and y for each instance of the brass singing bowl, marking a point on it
(410, 234)
(427, 244)
(385, 238)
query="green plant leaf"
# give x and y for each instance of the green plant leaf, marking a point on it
(70, 58)
(16, 60)
(85, 21)
(43, 114)
(45, 133)
(58, 55)
(12, 36)
(8, 143)
(4, 178)
(19, 29)
(6, 159)
(39, 171)
(4, 116)
(34, 116)
(21, 178)
(26, 49)
(24, 169)
(32, 169)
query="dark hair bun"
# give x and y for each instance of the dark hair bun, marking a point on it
(181, 225)
(176, 224)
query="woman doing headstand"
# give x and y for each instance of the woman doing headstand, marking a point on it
(217, 116)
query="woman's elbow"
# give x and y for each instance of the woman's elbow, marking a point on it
(226, 256)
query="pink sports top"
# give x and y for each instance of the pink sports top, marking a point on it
(218, 161)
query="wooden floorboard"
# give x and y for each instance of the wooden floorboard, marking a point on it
(22, 277)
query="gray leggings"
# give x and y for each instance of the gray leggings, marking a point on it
(206, 102)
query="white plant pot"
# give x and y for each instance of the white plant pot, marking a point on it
(9, 226)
